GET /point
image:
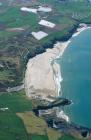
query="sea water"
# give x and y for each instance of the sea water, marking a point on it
(76, 72)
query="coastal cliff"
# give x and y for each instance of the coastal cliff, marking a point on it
(42, 80)
(43, 75)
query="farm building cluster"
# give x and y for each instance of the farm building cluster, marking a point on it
(35, 10)
(47, 23)
(40, 34)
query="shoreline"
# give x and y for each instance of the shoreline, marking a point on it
(42, 77)
(36, 81)
(78, 31)
(81, 29)
(43, 74)
(58, 77)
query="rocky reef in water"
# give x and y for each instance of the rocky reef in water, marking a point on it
(50, 112)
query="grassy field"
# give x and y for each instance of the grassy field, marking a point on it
(67, 138)
(19, 122)
(16, 102)
(11, 126)
(21, 45)
(33, 124)
(13, 17)
(16, 47)
(76, 9)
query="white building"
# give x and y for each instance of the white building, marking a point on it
(39, 35)
(35, 10)
(29, 10)
(47, 23)
(44, 9)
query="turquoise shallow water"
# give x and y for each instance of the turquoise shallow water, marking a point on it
(76, 72)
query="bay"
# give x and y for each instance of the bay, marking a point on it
(76, 73)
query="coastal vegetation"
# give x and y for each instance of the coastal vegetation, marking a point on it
(17, 44)
(19, 122)
(11, 127)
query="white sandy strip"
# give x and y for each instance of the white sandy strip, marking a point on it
(79, 30)
(39, 78)
(43, 78)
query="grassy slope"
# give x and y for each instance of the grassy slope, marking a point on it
(19, 123)
(11, 126)
(32, 123)
(64, 15)
(11, 121)
(18, 48)
(67, 138)
(16, 102)
(13, 17)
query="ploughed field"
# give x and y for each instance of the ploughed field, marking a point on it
(17, 44)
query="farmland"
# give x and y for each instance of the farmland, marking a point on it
(19, 122)
(17, 46)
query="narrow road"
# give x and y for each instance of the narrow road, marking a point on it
(17, 88)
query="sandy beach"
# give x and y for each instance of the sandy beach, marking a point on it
(43, 74)
(81, 29)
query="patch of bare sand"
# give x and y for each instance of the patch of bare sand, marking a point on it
(40, 77)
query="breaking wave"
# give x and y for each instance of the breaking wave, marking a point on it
(62, 115)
